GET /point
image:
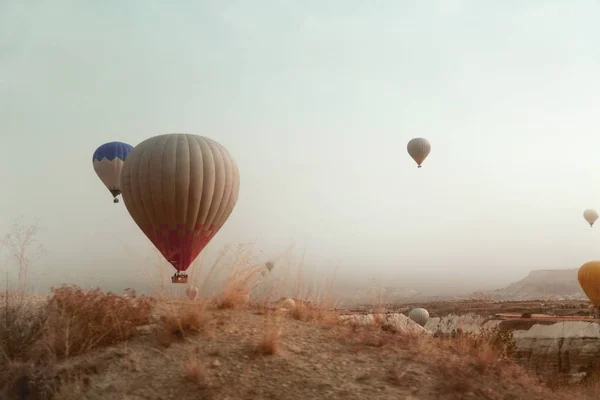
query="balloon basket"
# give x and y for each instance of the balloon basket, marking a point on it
(115, 201)
(179, 278)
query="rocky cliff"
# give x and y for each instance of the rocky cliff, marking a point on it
(546, 348)
(551, 284)
(565, 347)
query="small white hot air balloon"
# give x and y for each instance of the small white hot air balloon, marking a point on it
(590, 216)
(192, 292)
(269, 265)
(108, 162)
(419, 315)
(289, 303)
(418, 149)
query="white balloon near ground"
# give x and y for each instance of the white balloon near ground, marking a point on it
(419, 315)
(289, 304)
(192, 292)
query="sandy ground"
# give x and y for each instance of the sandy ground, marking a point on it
(313, 362)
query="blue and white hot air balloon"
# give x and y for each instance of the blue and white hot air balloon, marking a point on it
(108, 162)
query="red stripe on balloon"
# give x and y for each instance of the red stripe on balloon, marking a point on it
(181, 249)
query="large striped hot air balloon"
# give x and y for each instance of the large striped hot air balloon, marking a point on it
(180, 189)
(108, 162)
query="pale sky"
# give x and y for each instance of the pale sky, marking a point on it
(316, 101)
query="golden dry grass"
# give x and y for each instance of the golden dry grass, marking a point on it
(178, 323)
(194, 371)
(81, 320)
(270, 340)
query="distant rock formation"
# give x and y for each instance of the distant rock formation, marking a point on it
(542, 284)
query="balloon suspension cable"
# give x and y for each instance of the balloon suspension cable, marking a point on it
(179, 277)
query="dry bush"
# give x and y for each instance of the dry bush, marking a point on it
(586, 389)
(462, 360)
(177, 323)
(80, 320)
(21, 326)
(233, 297)
(271, 338)
(483, 350)
(20, 243)
(195, 371)
(308, 313)
(269, 343)
(29, 380)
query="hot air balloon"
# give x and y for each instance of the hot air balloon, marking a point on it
(419, 315)
(180, 189)
(269, 265)
(418, 149)
(590, 216)
(108, 162)
(589, 280)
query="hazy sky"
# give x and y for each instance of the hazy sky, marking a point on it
(316, 101)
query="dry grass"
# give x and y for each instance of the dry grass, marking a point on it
(176, 323)
(81, 320)
(21, 326)
(587, 389)
(269, 343)
(35, 337)
(195, 371)
(30, 380)
(270, 340)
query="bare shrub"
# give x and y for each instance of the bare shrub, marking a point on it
(195, 371)
(80, 320)
(29, 380)
(21, 326)
(177, 323)
(269, 342)
(20, 242)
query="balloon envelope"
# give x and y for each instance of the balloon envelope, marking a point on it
(180, 189)
(419, 315)
(589, 280)
(269, 265)
(590, 216)
(418, 149)
(108, 162)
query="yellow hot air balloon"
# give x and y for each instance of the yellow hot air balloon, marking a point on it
(590, 216)
(589, 280)
(180, 189)
(418, 149)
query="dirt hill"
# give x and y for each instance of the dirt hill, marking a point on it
(557, 284)
(192, 351)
